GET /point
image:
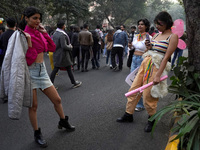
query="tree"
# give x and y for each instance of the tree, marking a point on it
(118, 12)
(153, 7)
(192, 12)
(71, 10)
(10, 8)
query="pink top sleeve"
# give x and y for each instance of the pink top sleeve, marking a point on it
(41, 42)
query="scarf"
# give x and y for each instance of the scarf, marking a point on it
(140, 36)
(62, 31)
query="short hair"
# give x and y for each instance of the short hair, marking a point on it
(85, 26)
(11, 22)
(2, 28)
(60, 24)
(117, 27)
(71, 28)
(76, 29)
(133, 27)
(146, 23)
(152, 28)
(123, 26)
(164, 17)
(98, 27)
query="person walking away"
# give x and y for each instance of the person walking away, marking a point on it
(76, 47)
(95, 49)
(38, 43)
(109, 45)
(100, 46)
(104, 49)
(85, 39)
(120, 40)
(154, 65)
(62, 56)
(123, 27)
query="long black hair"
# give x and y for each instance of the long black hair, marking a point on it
(28, 12)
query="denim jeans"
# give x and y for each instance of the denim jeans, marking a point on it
(136, 62)
(108, 56)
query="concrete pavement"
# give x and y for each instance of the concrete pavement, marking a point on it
(93, 108)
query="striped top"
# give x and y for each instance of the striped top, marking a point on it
(160, 46)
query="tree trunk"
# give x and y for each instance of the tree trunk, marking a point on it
(193, 31)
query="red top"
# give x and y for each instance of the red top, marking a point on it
(41, 42)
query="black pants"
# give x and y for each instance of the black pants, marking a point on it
(85, 55)
(119, 51)
(69, 71)
(76, 53)
(95, 62)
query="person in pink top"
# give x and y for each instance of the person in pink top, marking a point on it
(38, 43)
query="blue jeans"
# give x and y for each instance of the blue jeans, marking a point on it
(104, 50)
(178, 52)
(108, 56)
(136, 62)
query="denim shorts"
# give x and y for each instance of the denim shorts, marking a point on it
(39, 76)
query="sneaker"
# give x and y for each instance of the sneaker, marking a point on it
(77, 84)
(138, 109)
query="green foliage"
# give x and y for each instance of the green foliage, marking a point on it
(118, 12)
(185, 84)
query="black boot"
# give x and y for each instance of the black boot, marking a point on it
(126, 118)
(64, 123)
(39, 138)
(149, 125)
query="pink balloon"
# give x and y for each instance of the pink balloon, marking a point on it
(178, 27)
(181, 44)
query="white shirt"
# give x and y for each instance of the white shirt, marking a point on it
(139, 45)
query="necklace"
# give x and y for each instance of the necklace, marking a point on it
(140, 36)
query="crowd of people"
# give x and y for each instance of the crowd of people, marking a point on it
(147, 50)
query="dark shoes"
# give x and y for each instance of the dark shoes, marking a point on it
(126, 118)
(77, 84)
(117, 70)
(114, 68)
(63, 123)
(39, 138)
(149, 126)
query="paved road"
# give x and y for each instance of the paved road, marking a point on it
(93, 109)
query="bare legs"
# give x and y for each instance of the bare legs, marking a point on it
(52, 94)
(33, 111)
